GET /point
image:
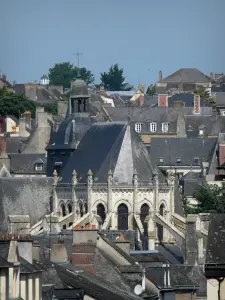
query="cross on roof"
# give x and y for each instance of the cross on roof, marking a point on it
(78, 54)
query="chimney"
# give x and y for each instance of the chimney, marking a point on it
(197, 105)
(160, 75)
(141, 100)
(3, 146)
(62, 108)
(205, 166)
(83, 248)
(22, 128)
(162, 100)
(58, 253)
(123, 244)
(3, 76)
(25, 247)
(36, 250)
(166, 275)
(211, 76)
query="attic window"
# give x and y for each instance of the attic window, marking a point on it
(161, 160)
(201, 131)
(153, 127)
(165, 127)
(178, 160)
(39, 167)
(190, 128)
(138, 127)
(196, 160)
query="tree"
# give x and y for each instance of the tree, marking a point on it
(210, 198)
(204, 94)
(114, 79)
(151, 91)
(64, 73)
(16, 104)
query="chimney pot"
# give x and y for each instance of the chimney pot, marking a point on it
(3, 76)
(87, 226)
(78, 227)
(93, 226)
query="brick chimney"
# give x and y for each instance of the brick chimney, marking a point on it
(197, 106)
(3, 76)
(83, 249)
(163, 100)
(123, 244)
(160, 75)
(3, 147)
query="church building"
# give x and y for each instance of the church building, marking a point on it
(104, 176)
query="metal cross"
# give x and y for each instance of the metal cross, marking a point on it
(78, 54)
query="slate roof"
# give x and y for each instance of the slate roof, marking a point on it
(171, 253)
(24, 196)
(216, 236)
(94, 286)
(4, 251)
(220, 99)
(25, 163)
(110, 146)
(191, 151)
(178, 278)
(187, 75)
(212, 125)
(13, 144)
(190, 182)
(26, 267)
(187, 99)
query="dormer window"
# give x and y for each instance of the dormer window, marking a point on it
(138, 127)
(39, 167)
(196, 160)
(153, 127)
(178, 160)
(165, 127)
(161, 160)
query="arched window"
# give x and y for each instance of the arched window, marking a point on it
(101, 212)
(81, 209)
(122, 217)
(160, 227)
(69, 208)
(63, 209)
(144, 213)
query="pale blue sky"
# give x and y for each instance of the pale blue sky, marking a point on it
(143, 36)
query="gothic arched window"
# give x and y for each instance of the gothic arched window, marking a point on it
(122, 217)
(101, 212)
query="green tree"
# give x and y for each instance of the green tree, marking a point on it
(210, 198)
(15, 104)
(151, 91)
(204, 94)
(50, 107)
(114, 79)
(64, 73)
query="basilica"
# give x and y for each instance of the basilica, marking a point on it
(103, 176)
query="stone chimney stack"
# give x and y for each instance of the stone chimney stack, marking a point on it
(163, 100)
(4, 159)
(58, 252)
(4, 77)
(123, 244)
(83, 249)
(197, 104)
(160, 75)
(211, 76)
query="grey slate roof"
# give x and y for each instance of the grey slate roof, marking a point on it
(187, 99)
(190, 182)
(24, 196)
(220, 99)
(187, 149)
(110, 146)
(213, 125)
(216, 236)
(4, 251)
(13, 144)
(25, 163)
(187, 75)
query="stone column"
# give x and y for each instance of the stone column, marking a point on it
(75, 205)
(89, 190)
(109, 194)
(151, 231)
(156, 201)
(171, 182)
(54, 194)
(135, 193)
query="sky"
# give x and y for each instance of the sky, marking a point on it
(142, 36)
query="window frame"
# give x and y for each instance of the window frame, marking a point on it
(153, 125)
(39, 167)
(138, 127)
(166, 124)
